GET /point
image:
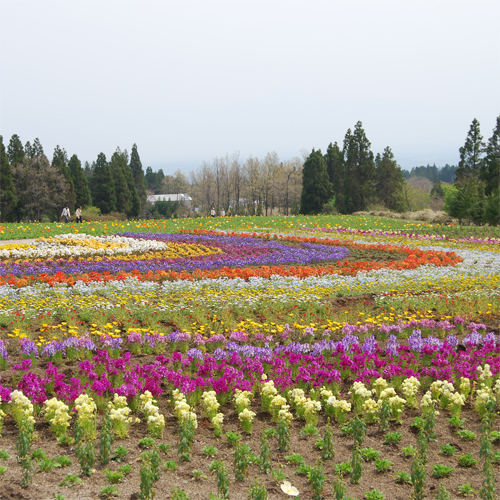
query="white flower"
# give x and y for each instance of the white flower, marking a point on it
(288, 489)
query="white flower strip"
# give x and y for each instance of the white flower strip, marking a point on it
(82, 245)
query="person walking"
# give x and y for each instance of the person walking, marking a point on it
(222, 213)
(212, 212)
(66, 214)
(78, 215)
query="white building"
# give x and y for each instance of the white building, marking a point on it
(152, 198)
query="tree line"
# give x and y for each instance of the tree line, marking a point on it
(34, 188)
(345, 179)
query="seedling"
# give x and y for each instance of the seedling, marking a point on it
(309, 430)
(120, 453)
(109, 491)
(467, 460)
(271, 432)
(383, 465)
(71, 480)
(46, 464)
(233, 438)
(113, 476)
(456, 422)
(170, 465)
(369, 454)
(494, 436)
(393, 438)
(164, 448)
(343, 469)
(3, 470)
(38, 454)
(178, 494)
(295, 459)
(146, 443)
(303, 470)
(210, 451)
(278, 474)
(409, 451)
(448, 450)
(468, 435)
(466, 490)
(374, 495)
(4, 455)
(125, 469)
(439, 471)
(63, 461)
(403, 477)
(198, 474)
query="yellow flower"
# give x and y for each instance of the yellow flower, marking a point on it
(289, 490)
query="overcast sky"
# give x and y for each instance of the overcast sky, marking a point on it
(191, 80)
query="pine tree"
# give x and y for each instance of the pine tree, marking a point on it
(470, 156)
(60, 161)
(359, 175)
(82, 191)
(389, 181)
(102, 189)
(490, 171)
(316, 188)
(8, 198)
(15, 150)
(335, 167)
(118, 166)
(138, 175)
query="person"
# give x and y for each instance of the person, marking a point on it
(78, 215)
(212, 212)
(222, 213)
(65, 213)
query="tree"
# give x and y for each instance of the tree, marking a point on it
(138, 175)
(490, 169)
(389, 181)
(118, 166)
(60, 161)
(335, 166)
(82, 191)
(15, 150)
(316, 188)
(8, 194)
(470, 156)
(102, 188)
(437, 190)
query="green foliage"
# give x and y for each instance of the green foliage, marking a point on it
(283, 435)
(488, 488)
(383, 465)
(339, 488)
(146, 443)
(120, 453)
(210, 451)
(456, 422)
(170, 465)
(343, 469)
(467, 460)
(265, 454)
(278, 474)
(63, 461)
(107, 439)
(198, 474)
(38, 454)
(467, 435)
(393, 438)
(303, 469)
(23, 445)
(3, 470)
(85, 453)
(113, 476)
(439, 471)
(8, 193)
(4, 455)
(374, 495)
(466, 490)
(46, 464)
(178, 494)
(448, 450)
(108, 491)
(309, 430)
(125, 469)
(71, 480)
(257, 491)
(271, 432)
(219, 468)
(165, 448)
(82, 191)
(186, 439)
(149, 474)
(442, 493)
(317, 480)
(403, 477)
(102, 187)
(328, 451)
(295, 459)
(242, 458)
(316, 188)
(369, 454)
(233, 438)
(59, 497)
(409, 451)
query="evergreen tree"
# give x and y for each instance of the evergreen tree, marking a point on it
(359, 176)
(29, 152)
(490, 171)
(60, 161)
(82, 191)
(437, 190)
(8, 198)
(102, 188)
(118, 166)
(335, 167)
(138, 175)
(470, 156)
(15, 150)
(389, 181)
(316, 189)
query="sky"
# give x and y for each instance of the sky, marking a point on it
(188, 81)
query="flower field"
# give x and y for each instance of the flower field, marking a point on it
(306, 357)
